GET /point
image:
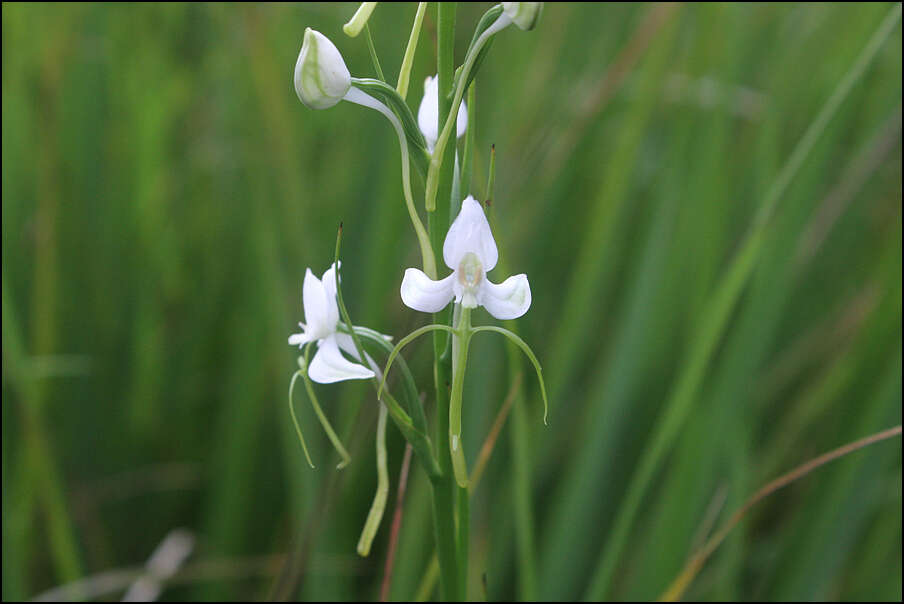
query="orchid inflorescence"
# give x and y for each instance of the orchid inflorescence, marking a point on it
(343, 351)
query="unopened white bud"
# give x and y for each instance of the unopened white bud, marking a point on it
(523, 14)
(321, 77)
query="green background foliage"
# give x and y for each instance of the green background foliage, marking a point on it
(164, 191)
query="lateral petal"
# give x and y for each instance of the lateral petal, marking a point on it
(422, 293)
(507, 300)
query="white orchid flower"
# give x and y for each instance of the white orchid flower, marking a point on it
(470, 251)
(322, 314)
(428, 114)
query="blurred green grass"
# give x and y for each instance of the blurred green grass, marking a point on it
(164, 190)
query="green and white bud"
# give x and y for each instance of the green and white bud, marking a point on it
(523, 14)
(321, 77)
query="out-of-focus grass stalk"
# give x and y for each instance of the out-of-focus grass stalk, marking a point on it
(522, 500)
(715, 316)
(37, 469)
(680, 584)
(597, 260)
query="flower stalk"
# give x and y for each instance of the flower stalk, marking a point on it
(466, 246)
(356, 95)
(379, 503)
(449, 123)
(444, 500)
(460, 342)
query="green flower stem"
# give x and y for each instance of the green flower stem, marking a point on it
(408, 59)
(415, 408)
(373, 53)
(360, 97)
(461, 542)
(438, 219)
(514, 338)
(420, 442)
(467, 158)
(440, 148)
(327, 427)
(460, 342)
(304, 446)
(379, 504)
(404, 342)
(414, 432)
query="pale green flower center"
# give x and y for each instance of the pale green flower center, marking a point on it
(470, 274)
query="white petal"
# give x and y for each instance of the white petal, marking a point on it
(428, 114)
(298, 339)
(422, 293)
(328, 365)
(347, 345)
(470, 232)
(316, 311)
(329, 290)
(461, 123)
(508, 300)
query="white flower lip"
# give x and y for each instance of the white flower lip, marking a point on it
(321, 311)
(428, 114)
(321, 76)
(470, 251)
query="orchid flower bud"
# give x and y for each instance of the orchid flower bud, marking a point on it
(428, 114)
(321, 77)
(523, 14)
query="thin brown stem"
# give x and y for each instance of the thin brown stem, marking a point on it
(490, 443)
(396, 525)
(693, 566)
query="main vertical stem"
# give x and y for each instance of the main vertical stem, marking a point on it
(444, 487)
